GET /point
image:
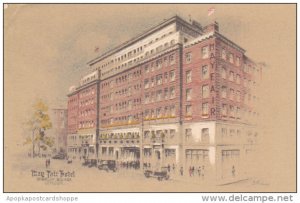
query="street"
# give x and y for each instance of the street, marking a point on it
(123, 180)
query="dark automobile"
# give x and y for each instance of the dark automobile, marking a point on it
(86, 162)
(92, 163)
(160, 175)
(59, 156)
(107, 165)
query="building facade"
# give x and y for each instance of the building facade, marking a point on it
(180, 96)
(59, 120)
(83, 119)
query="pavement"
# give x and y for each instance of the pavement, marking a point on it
(86, 179)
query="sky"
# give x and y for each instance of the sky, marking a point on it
(46, 48)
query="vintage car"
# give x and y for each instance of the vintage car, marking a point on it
(86, 162)
(107, 165)
(59, 156)
(160, 175)
(92, 163)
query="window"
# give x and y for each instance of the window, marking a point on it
(188, 57)
(231, 94)
(205, 135)
(231, 58)
(159, 79)
(166, 61)
(146, 135)
(188, 133)
(188, 110)
(146, 84)
(172, 92)
(172, 75)
(172, 133)
(173, 111)
(158, 95)
(152, 82)
(231, 76)
(224, 110)
(204, 52)
(205, 74)
(205, 109)
(153, 114)
(238, 79)
(166, 93)
(224, 132)
(224, 92)
(152, 96)
(205, 91)
(146, 114)
(188, 94)
(159, 112)
(223, 72)
(172, 59)
(231, 132)
(188, 76)
(223, 54)
(147, 69)
(159, 64)
(166, 77)
(231, 111)
(238, 61)
(167, 113)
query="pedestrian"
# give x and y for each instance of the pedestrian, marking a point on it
(46, 163)
(233, 171)
(190, 171)
(199, 171)
(49, 162)
(169, 168)
(193, 170)
(181, 171)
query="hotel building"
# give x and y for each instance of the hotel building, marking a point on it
(178, 95)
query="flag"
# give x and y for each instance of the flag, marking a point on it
(210, 11)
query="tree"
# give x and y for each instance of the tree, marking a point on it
(38, 124)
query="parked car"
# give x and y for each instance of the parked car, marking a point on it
(92, 163)
(107, 165)
(59, 156)
(160, 175)
(86, 162)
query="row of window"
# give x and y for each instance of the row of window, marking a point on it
(159, 95)
(228, 56)
(159, 63)
(205, 53)
(87, 102)
(87, 112)
(164, 134)
(204, 134)
(161, 112)
(158, 79)
(87, 92)
(204, 75)
(86, 124)
(141, 57)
